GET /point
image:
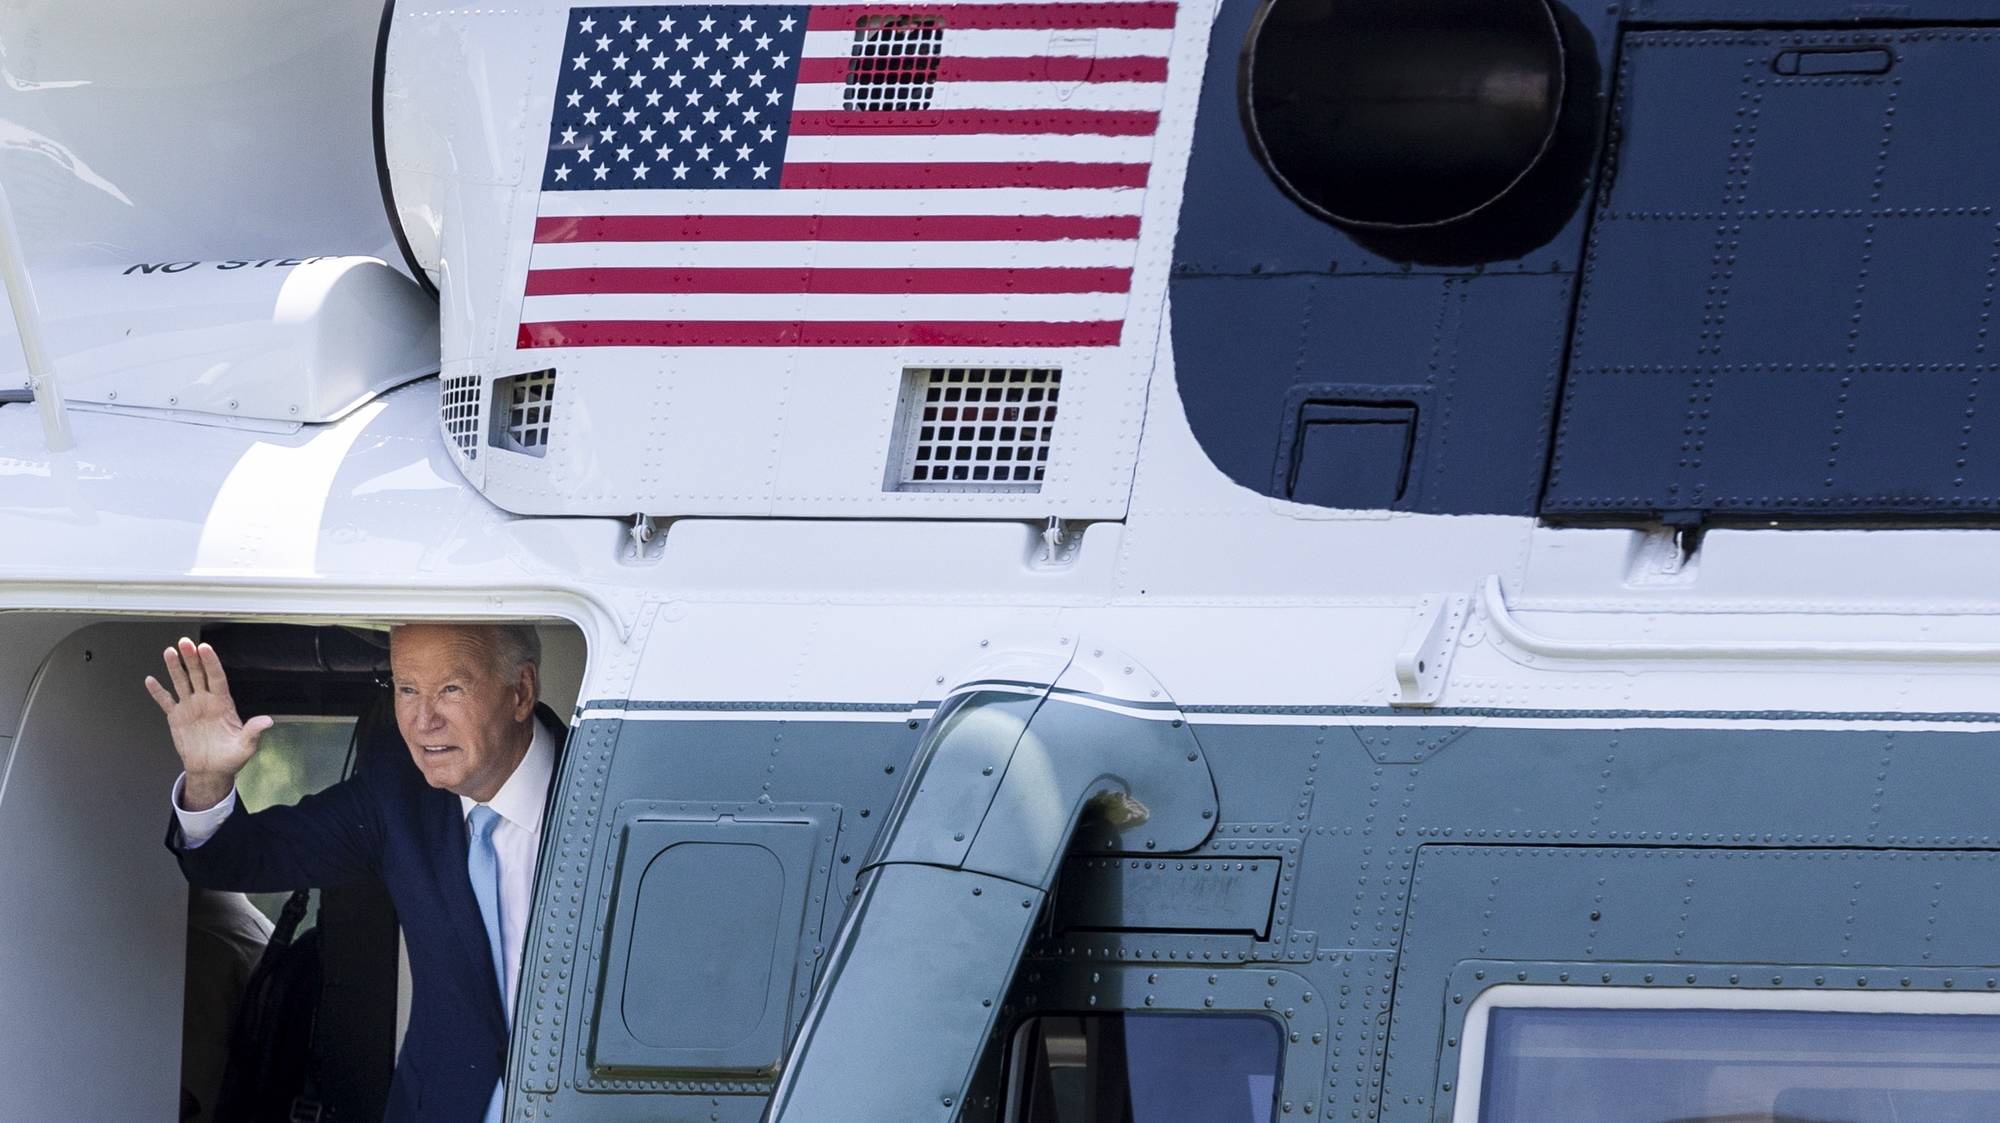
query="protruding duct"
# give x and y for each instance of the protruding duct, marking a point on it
(1001, 788)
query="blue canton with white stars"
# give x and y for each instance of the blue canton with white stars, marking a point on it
(677, 96)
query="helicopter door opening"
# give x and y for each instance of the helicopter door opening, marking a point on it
(104, 949)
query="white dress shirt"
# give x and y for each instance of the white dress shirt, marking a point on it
(516, 839)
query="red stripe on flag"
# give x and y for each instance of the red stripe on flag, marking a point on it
(816, 333)
(1039, 68)
(1067, 122)
(897, 176)
(834, 228)
(997, 17)
(565, 282)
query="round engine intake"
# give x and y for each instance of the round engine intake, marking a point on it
(1388, 115)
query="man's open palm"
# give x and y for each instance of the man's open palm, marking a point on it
(213, 741)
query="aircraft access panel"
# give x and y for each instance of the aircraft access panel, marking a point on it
(1788, 290)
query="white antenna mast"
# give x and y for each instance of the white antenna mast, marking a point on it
(28, 323)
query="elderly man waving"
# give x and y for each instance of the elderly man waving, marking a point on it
(453, 830)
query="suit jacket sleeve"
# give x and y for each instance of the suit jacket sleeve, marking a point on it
(327, 838)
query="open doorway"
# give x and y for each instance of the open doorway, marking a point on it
(98, 949)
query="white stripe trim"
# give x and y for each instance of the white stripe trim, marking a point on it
(1112, 707)
(952, 96)
(1102, 42)
(834, 255)
(1089, 201)
(1417, 717)
(827, 307)
(976, 148)
(1442, 722)
(884, 716)
(989, 687)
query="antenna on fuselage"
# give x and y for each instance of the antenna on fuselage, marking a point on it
(28, 324)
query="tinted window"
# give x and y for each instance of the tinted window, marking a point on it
(1148, 1068)
(1739, 1066)
(295, 757)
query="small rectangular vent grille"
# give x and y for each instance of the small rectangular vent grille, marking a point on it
(977, 428)
(893, 64)
(459, 411)
(523, 408)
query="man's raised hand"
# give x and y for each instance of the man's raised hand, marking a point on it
(213, 742)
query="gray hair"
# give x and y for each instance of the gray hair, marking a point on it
(515, 644)
(512, 645)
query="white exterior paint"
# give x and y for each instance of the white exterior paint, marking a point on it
(1243, 606)
(132, 131)
(281, 339)
(751, 431)
(1230, 598)
(783, 573)
(169, 169)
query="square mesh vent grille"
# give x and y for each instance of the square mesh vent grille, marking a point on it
(976, 428)
(523, 409)
(893, 64)
(459, 412)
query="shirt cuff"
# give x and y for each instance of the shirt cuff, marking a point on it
(198, 827)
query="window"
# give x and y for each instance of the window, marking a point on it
(295, 757)
(1146, 1068)
(1636, 1056)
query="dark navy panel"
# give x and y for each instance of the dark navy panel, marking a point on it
(756, 870)
(757, 771)
(1478, 358)
(1350, 454)
(1813, 919)
(1372, 803)
(1787, 295)
(1387, 853)
(1713, 13)
(1275, 309)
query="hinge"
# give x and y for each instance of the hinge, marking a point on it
(644, 542)
(1665, 555)
(1426, 652)
(1060, 542)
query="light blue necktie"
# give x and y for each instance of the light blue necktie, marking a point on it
(482, 866)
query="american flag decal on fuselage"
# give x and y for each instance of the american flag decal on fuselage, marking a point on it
(846, 175)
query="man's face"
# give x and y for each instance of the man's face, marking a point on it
(466, 722)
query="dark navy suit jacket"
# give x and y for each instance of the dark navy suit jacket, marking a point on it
(387, 821)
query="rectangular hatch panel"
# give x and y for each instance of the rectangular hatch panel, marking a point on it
(1786, 303)
(1201, 893)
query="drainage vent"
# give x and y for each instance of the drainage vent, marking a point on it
(975, 428)
(893, 63)
(459, 413)
(523, 406)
